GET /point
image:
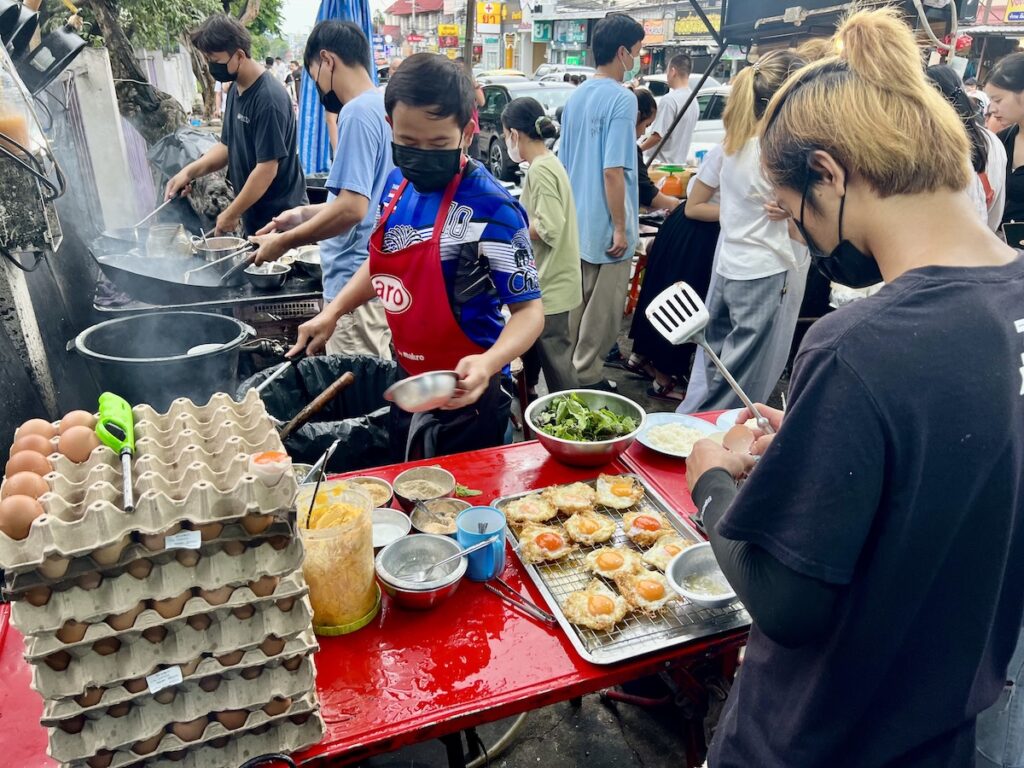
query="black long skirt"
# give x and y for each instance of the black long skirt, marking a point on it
(683, 250)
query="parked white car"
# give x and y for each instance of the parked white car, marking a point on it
(711, 102)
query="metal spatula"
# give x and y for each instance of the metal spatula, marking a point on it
(678, 314)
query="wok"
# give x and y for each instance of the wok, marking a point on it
(161, 281)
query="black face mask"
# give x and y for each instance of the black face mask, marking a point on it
(846, 265)
(427, 169)
(330, 99)
(220, 73)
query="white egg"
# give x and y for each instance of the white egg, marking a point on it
(609, 561)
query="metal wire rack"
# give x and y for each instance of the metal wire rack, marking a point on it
(638, 633)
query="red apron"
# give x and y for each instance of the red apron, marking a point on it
(410, 285)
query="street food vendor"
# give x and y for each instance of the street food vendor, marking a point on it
(257, 141)
(338, 60)
(879, 542)
(451, 247)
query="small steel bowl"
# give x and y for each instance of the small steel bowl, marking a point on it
(268, 277)
(444, 478)
(424, 392)
(698, 560)
(389, 525)
(595, 454)
(423, 513)
(306, 262)
(380, 500)
(416, 552)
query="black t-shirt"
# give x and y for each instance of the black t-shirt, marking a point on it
(1014, 208)
(898, 475)
(259, 126)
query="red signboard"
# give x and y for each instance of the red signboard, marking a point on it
(412, 37)
(448, 41)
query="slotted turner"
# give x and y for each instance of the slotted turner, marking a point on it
(678, 314)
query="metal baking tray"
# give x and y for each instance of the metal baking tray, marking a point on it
(637, 634)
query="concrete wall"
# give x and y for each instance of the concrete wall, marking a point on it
(171, 73)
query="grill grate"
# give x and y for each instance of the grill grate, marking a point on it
(638, 633)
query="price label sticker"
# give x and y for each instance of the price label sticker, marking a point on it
(184, 540)
(165, 678)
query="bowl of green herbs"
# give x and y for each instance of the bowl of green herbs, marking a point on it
(585, 427)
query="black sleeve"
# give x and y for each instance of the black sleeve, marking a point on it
(271, 128)
(788, 607)
(647, 189)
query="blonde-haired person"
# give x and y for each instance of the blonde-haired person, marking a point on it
(879, 542)
(760, 271)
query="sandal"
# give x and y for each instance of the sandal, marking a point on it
(636, 370)
(666, 392)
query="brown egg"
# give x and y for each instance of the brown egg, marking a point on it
(89, 581)
(119, 710)
(191, 730)
(257, 523)
(155, 635)
(738, 439)
(24, 484)
(36, 427)
(279, 542)
(54, 567)
(251, 673)
(272, 645)
(189, 667)
(210, 531)
(277, 706)
(187, 557)
(17, 514)
(293, 663)
(77, 443)
(28, 461)
(216, 596)
(284, 605)
(106, 646)
(221, 742)
(38, 596)
(166, 696)
(77, 419)
(171, 607)
(261, 729)
(200, 622)
(72, 631)
(111, 553)
(102, 759)
(126, 620)
(243, 612)
(230, 659)
(264, 587)
(232, 719)
(210, 683)
(234, 548)
(140, 569)
(59, 661)
(72, 724)
(176, 756)
(300, 719)
(135, 685)
(146, 746)
(90, 697)
(36, 443)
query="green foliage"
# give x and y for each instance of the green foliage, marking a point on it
(267, 45)
(570, 418)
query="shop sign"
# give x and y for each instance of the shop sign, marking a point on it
(488, 16)
(448, 41)
(543, 31)
(447, 30)
(689, 23)
(1015, 10)
(654, 31)
(412, 37)
(573, 61)
(571, 31)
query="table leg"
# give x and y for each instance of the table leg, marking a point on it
(473, 744)
(453, 746)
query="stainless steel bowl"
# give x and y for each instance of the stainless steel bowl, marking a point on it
(415, 552)
(427, 511)
(214, 248)
(365, 480)
(443, 478)
(698, 560)
(594, 454)
(268, 276)
(306, 262)
(424, 392)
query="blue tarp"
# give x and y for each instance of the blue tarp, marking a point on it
(314, 147)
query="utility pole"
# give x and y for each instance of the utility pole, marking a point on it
(467, 48)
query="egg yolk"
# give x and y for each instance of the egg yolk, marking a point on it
(622, 488)
(270, 457)
(600, 605)
(609, 561)
(650, 590)
(672, 549)
(647, 523)
(586, 525)
(549, 541)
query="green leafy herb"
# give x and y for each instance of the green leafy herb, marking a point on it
(461, 490)
(568, 417)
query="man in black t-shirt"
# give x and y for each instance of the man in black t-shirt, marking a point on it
(258, 138)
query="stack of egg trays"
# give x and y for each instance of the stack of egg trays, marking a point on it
(181, 632)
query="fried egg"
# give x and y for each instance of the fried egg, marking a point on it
(542, 543)
(645, 590)
(529, 509)
(590, 528)
(645, 528)
(571, 499)
(596, 607)
(609, 561)
(664, 549)
(618, 492)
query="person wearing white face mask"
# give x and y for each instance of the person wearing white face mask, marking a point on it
(549, 203)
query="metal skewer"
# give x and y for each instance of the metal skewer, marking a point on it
(155, 212)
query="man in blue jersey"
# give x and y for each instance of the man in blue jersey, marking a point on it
(451, 247)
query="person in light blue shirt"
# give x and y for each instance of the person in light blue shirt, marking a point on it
(338, 61)
(599, 153)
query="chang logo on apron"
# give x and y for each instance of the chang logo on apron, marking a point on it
(392, 293)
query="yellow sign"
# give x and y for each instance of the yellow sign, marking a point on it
(489, 14)
(447, 30)
(1015, 10)
(692, 25)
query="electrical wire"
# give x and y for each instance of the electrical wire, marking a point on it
(949, 48)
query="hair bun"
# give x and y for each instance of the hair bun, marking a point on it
(546, 127)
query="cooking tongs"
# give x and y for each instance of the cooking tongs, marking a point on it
(509, 595)
(249, 247)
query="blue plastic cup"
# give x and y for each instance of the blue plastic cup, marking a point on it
(488, 562)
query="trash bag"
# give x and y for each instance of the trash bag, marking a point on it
(210, 194)
(358, 416)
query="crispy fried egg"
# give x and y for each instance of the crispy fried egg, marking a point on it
(618, 492)
(645, 590)
(571, 499)
(590, 528)
(608, 561)
(645, 528)
(664, 549)
(529, 509)
(542, 543)
(596, 607)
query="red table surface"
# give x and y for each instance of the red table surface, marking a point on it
(411, 676)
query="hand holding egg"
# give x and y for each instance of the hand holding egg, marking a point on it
(707, 455)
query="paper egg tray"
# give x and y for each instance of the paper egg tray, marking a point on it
(217, 740)
(218, 408)
(182, 644)
(150, 717)
(96, 701)
(124, 593)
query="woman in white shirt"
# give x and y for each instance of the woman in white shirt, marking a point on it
(760, 271)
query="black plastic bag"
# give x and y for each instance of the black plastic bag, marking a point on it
(358, 416)
(210, 195)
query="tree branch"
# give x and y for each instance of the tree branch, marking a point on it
(249, 12)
